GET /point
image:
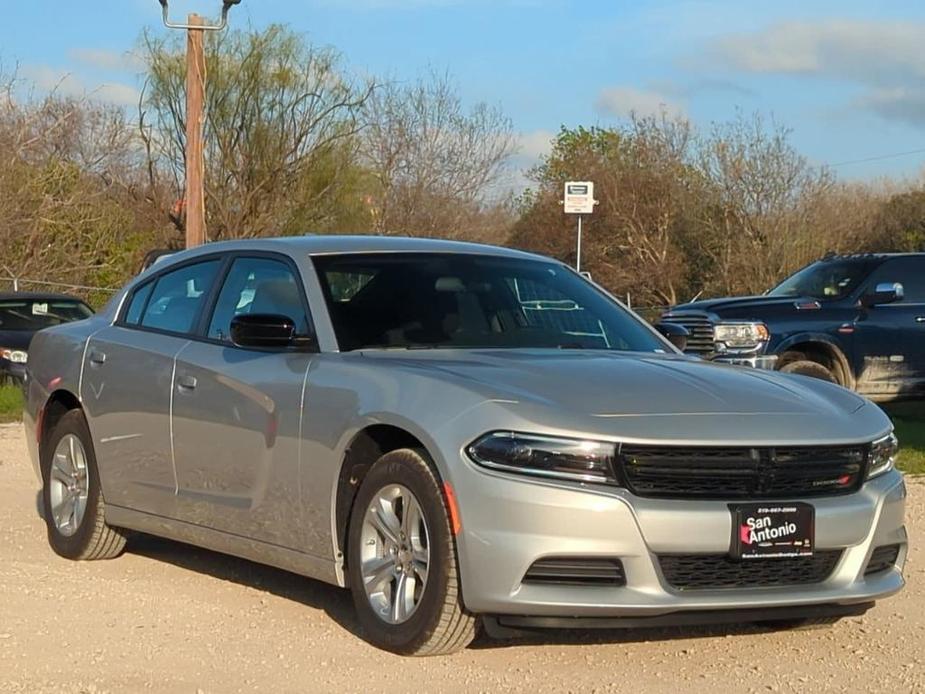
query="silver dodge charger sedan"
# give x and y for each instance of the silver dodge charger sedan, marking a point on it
(457, 433)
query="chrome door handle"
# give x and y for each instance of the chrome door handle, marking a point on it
(98, 358)
(920, 319)
(187, 383)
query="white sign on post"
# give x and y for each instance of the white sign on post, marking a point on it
(579, 197)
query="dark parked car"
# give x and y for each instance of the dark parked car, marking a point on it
(858, 321)
(24, 314)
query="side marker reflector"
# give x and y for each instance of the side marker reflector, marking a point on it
(453, 508)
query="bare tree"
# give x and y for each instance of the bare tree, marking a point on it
(433, 162)
(281, 127)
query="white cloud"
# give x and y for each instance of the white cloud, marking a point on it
(107, 60)
(884, 59)
(48, 79)
(534, 145)
(854, 50)
(621, 102)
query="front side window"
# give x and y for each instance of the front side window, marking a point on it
(178, 297)
(909, 272)
(35, 314)
(421, 300)
(826, 280)
(257, 285)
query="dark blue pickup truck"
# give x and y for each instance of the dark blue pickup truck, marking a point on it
(855, 320)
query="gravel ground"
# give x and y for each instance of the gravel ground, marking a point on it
(167, 617)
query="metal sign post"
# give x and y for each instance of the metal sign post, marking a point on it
(579, 200)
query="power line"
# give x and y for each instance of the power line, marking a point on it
(878, 158)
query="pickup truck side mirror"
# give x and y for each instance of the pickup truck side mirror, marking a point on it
(676, 334)
(884, 293)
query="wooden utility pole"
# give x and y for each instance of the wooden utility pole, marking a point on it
(195, 170)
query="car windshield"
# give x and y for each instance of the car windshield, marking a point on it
(429, 300)
(35, 314)
(827, 279)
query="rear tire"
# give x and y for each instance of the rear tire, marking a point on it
(804, 367)
(74, 512)
(423, 548)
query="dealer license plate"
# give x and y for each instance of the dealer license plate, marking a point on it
(769, 531)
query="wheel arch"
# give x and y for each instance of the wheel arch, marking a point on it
(363, 449)
(822, 349)
(58, 404)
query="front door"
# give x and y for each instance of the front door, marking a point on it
(237, 413)
(889, 339)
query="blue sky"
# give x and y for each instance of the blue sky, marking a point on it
(848, 77)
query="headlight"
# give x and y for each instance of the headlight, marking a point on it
(17, 356)
(882, 455)
(543, 456)
(740, 335)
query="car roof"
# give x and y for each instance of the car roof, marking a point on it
(331, 245)
(38, 296)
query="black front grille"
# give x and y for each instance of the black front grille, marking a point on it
(882, 559)
(682, 472)
(577, 571)
(719, 571)
(700, 327)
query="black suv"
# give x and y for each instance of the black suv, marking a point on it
(854, 320)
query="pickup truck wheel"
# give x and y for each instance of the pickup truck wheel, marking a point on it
(402, 564)
(804, 367)
(72, 503)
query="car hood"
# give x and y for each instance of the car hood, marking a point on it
(602, 383)
(16, 339)
(630, 396)
(739, 303)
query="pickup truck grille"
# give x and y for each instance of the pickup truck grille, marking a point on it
(700, 327)
(721, 473)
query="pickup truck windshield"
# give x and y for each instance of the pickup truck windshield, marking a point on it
(826, 280)
(431, 300)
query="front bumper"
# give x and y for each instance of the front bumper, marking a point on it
(758, 361)
(508, 523)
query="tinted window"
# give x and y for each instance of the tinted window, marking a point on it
(827, 279)
(257, 285)
(177, 297)
(466, 301)
(35, 314)
(137, 305)
(909, 272)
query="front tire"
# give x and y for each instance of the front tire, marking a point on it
(401, 560)
(72, 502)
(804, 367)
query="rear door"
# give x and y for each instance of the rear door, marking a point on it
(236, 412)
(890, 339)
(126, 391)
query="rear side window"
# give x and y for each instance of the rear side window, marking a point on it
(137, 304)
(178, 297)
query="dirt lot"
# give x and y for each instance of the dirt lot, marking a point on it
(171, 618)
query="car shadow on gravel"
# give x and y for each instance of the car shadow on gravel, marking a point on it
(333, 601)
(336, 602)
(585, 637)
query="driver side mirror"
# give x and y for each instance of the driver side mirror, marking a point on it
(676, 334)
(884, 293)
(267, 331)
